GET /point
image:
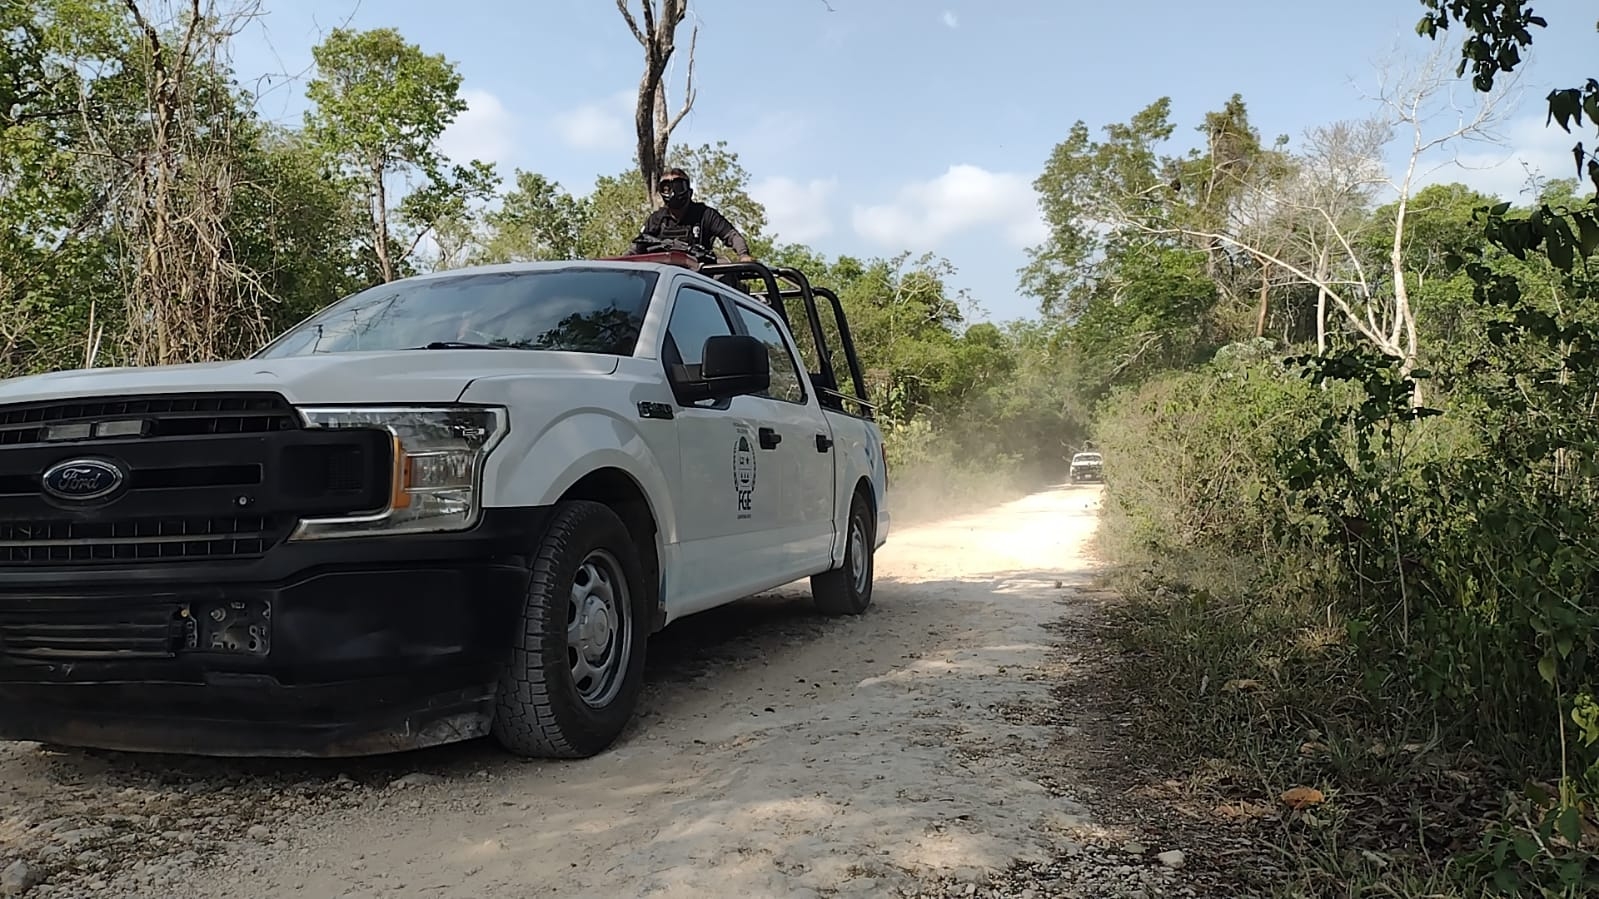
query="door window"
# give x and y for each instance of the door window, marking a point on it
(786, 385)
(696, 316)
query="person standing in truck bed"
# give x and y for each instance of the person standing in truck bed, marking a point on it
(686, 219)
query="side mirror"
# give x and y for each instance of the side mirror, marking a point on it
(733, 365)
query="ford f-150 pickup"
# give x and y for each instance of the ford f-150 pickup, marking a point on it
(447, 507)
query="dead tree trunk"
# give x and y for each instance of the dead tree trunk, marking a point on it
(187, 298)
(380, 222)
(652, 119)
(1264, 306)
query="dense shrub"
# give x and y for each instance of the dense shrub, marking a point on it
(1187, 455)
(1366, 564)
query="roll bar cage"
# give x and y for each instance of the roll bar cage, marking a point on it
(769, 284)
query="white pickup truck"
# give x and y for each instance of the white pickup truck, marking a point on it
(446, 507)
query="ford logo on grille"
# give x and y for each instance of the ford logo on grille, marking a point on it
(82, 479)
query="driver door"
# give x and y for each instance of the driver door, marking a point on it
(729, 487)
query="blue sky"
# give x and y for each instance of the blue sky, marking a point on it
(889, 125)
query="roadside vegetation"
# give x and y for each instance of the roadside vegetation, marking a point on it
(1347, 410)
(1360, 547)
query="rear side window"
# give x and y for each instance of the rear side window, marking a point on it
(786, 384)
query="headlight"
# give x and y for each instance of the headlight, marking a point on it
(438, 467)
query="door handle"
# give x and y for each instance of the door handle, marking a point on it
(823, 443)
(769, 438)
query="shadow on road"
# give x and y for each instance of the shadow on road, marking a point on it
(709, 651)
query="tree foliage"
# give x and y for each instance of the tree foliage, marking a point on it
(380, 107)
(1387, 563)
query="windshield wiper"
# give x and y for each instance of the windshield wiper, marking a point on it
(460, 345)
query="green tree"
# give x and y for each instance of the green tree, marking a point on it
(380, 106)
(537, 220)
(300, 232)
(722, 181)
(1089, 192)
(1439, 224)
(53, 248)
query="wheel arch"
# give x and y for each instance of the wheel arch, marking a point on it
(622, 493)
(864, 488)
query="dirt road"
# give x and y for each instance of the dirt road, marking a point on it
(778, 754)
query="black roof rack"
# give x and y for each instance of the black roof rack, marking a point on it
(741, 275)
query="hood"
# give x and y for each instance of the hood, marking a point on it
(405, 376)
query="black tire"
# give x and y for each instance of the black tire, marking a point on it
(540, 707)
(847, 590)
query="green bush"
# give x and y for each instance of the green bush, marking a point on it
(1370, 566)
(1225, 594)
(1187, 456)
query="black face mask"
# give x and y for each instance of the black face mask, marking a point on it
(675, 192)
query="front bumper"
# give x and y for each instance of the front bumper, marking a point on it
(1087, 474)
(329, 648)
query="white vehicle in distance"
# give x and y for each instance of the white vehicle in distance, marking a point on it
(450, 506)
(1087, 466)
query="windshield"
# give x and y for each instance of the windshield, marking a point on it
(587, 310)
(1084, 457)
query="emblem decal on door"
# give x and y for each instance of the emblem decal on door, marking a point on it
(744, 474)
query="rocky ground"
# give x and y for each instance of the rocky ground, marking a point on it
(933, 747)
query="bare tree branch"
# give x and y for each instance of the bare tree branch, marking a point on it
(1336, 296)
(1311, 225)
(688, 85)
(632, 24)
(651, 120)
(187, 297)
(649, 22)
(185, 48)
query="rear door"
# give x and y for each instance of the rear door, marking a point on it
(799, 439)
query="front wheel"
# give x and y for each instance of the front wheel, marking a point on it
(847, 590)
(577, 662)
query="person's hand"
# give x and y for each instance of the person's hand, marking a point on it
(745, 257)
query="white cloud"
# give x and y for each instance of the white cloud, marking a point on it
(1530, 149)
(483, 131)
(949, 19)
(603, 125)
(797, 211)
(964, 197)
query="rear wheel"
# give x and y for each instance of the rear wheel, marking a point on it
(577, 664)
(847, 590)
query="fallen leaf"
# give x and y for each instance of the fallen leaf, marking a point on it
(1238, 684)
(1303, 797)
